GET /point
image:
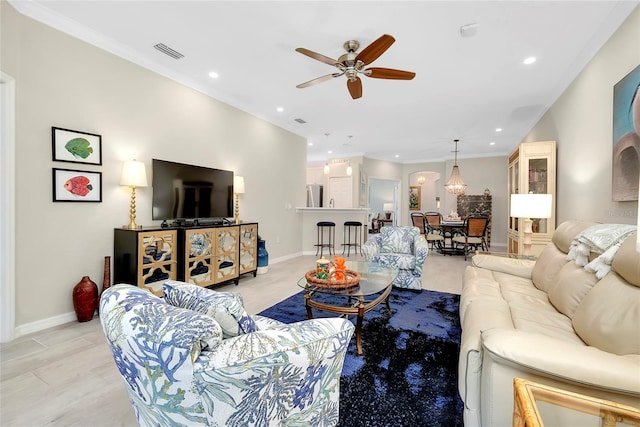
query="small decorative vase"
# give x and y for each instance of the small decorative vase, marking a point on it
(263, 257)
(85, 299)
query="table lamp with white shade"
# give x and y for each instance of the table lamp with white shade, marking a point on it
(238, 188)
(529, 206)
(133, 175)
(387, 208)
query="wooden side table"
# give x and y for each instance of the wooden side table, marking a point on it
(527, 414)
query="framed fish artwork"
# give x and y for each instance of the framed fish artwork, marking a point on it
(76, 147)
(76, 186)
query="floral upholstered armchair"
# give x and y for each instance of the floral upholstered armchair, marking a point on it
(401, 247)
(197, 358)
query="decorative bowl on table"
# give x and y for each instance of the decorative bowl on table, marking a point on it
(351, 278)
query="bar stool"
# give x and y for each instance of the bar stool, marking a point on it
(330, 227)
(356, 241)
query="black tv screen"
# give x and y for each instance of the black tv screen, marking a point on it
(182, 191)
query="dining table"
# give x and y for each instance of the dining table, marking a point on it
(449, 227)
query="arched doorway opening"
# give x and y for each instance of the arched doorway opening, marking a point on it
(427, 185)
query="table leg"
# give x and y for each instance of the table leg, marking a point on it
(307, 297)
(359, 325)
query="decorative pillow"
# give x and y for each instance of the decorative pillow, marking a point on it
(225, 307)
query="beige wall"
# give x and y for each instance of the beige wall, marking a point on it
(63, 82)
(581, 123)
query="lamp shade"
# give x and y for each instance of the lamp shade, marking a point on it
(134, 174)
(531, 205)
(238, 184)
(387, 207)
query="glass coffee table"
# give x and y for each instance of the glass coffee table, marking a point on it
(374, 287)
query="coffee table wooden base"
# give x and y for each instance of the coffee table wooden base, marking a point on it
(359, 308)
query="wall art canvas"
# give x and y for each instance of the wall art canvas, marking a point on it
(414, 198)
(626, 137)
(76, 147)
(76, 186)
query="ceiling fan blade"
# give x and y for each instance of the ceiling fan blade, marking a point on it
(355, 87)
(375, 49)
(388, 73)
(318, 80)
(317, 56)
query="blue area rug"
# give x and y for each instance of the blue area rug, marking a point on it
(407, 375)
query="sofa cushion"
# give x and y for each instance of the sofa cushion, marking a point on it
(517, 267)
(225, 307)
(567, 231)
(609, 315)
(548, 265)
(627, 261)
(573, 284)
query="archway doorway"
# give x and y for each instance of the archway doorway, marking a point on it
(430, 190)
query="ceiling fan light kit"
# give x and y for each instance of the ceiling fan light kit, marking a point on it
(352, 64)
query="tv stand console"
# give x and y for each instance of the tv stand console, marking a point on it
(205, 255)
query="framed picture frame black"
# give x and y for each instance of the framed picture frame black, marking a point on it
(76, 186)
(74, 146)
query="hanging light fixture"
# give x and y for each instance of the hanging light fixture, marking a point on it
(326, 169)
(349, 169)
(455, 185)
(421, 180)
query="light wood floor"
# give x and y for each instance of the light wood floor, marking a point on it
(65, 376)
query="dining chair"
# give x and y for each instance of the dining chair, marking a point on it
(417, 219)
(433, 233)
(472, 234)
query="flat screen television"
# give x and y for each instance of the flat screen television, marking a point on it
(182, 192)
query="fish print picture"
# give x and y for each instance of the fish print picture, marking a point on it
(76, 186)
(76, 147)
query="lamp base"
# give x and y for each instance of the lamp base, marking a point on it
(132, 227)
(527, 233)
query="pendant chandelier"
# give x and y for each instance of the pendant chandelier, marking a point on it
(455, 185)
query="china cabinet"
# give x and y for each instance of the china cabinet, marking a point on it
(532, 169)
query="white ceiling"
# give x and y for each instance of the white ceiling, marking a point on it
(465, 87)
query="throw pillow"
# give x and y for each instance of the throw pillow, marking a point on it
(225, 307)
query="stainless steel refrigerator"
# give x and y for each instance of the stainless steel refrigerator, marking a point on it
(314, 196)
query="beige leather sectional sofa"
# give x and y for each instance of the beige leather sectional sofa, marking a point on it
(550, 321)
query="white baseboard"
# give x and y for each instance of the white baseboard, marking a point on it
(29, 328)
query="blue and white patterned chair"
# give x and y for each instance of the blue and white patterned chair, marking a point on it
(401, 247)
(196, 358)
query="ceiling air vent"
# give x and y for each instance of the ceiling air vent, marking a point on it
(300, 121)
(168, 51)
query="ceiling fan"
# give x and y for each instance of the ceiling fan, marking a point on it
(351, 64)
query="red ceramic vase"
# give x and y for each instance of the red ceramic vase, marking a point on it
(85, 299)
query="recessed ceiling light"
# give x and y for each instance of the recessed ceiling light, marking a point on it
(279, 109)
(213, 75)
(492, 143)
(310, 144)
(498, 129)
(397, 155)
(330, 152)
(530, 60)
